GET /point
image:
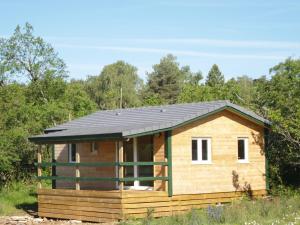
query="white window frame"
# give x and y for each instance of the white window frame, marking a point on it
(246, 148)
(199, 151)
(70, 152)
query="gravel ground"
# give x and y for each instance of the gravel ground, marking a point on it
(30, 220)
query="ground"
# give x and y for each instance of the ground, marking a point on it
(18, 206)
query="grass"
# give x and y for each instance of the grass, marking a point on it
(17, 199)
(280, 209)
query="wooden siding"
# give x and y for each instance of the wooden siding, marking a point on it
(223, 128)
(105, 153)
(105, 206)
(159, 156)
(85, 205)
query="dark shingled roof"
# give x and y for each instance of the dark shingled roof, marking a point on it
(137, 121)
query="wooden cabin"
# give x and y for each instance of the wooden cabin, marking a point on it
(158, 160)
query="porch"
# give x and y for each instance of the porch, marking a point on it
(138, 163)
(89, 186)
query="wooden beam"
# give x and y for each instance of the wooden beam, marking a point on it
(77, 169)
(120, 159)
(39, 168)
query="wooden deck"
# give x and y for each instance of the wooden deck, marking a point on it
(105, 206)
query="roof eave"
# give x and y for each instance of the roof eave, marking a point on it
(74, 138)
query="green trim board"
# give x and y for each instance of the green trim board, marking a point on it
(168, 144)
(99, 164)
(77, 178)
(143, 163)
(82, 164)
(125, 179)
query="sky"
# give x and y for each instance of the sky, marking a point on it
(241, 37)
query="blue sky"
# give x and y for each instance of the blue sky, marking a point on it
(242, 37)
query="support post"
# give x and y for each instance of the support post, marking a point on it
(168, 146)
(267, 169)
(53, 167)
(39, 168)
(120, 159)
(77, 169)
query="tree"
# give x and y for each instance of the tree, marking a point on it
(195, 93)
(166, 80)
(25, 54)
(77, 101)
(278, 99)
(27, 108)
(117, 84)
(214, 77)
(190, 77)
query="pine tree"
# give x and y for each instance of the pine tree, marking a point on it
(214, 77)
(166, 80)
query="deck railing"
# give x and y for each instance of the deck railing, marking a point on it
(101, 164)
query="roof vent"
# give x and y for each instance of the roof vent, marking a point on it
(118, 113)
(163, 110)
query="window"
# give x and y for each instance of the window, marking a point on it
(72, 152)
(94, 147)
(242, 149)
(201, 150)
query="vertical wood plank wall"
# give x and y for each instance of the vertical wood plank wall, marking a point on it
(159, 156)
(105, 153)
(223, 128)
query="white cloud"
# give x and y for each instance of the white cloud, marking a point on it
(222, 43)
(262, 44)
(176, 52)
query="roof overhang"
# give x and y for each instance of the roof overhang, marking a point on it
(74, 138)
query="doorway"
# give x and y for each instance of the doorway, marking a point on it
(138, 149)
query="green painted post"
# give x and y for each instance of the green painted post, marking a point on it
(168, 146)
(53, 166)
(267, 167)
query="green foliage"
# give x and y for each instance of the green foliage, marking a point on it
(24, 54)
(27, 109)
(116, 80)
(279, 100)
(215, 78)
(166, 80)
